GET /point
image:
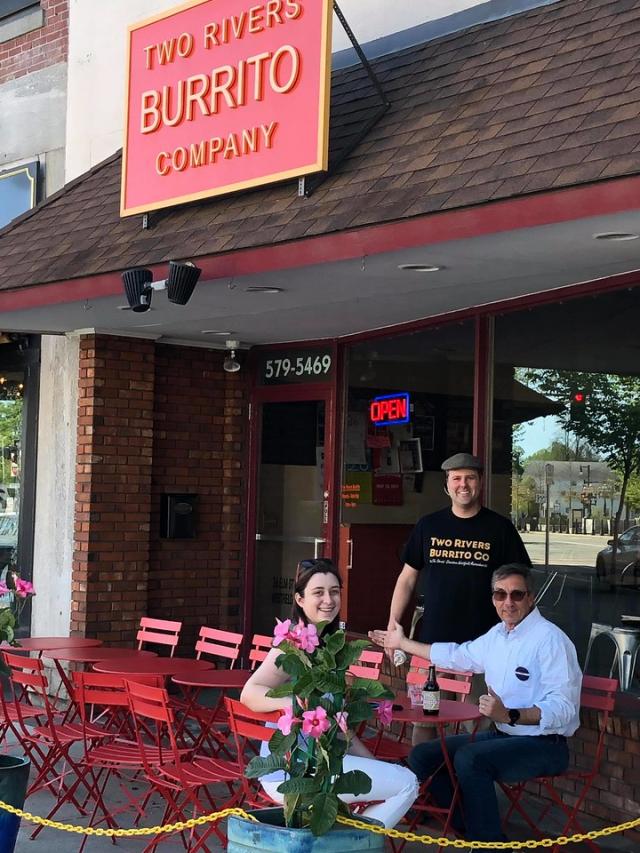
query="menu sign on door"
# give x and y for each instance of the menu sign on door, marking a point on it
(223, 95)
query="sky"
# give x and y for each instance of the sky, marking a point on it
(539, 434)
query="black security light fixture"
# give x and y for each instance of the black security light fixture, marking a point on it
(139, 285)
(231, 363)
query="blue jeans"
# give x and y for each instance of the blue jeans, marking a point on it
(491, 757)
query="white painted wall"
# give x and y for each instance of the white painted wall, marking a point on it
(32, 121)
(55, 486)
(97, 57)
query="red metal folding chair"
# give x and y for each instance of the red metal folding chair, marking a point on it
(219, 644)
(260, 647)
(369, 665)
(395, 747)
(184, 784)
(102, 697)
(247, 727)
(159, 632)
(598, 694)
(48, 743)
(212, 721)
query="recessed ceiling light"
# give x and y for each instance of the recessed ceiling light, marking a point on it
(223, 333)
(419, 267)
(615, 236)
(263, 290)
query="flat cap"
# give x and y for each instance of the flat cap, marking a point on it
(462, 460)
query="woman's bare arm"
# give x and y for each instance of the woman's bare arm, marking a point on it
(266, 676)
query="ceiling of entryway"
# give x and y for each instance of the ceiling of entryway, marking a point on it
(336, 299)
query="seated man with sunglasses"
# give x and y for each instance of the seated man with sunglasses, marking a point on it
(533, 698)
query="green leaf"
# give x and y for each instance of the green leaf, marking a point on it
(328, 682)
(290, 805)
(371, 688)
(324, 813)
(353, 782)
(292, 665)
(294, 651)
(324, 660)
(358, 711)
(280, 744)
(305, 785)
(350, 653)
(305, 685)
(335, 642)
(281, 691)
(260, 765)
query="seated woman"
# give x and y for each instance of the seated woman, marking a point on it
(317, 599)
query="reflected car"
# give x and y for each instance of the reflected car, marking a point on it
(627, 556)
(8, 536)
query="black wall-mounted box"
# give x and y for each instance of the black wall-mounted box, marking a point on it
(178, 516)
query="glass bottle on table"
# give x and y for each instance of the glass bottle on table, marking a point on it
(431, 694)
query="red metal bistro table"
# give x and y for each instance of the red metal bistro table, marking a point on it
(211, 720)
(41, 644)
(87, 655)
(153, 666)
(451, 713)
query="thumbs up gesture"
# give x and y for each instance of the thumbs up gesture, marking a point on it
(491, 705)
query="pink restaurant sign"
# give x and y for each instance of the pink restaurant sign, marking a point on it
(223, 95)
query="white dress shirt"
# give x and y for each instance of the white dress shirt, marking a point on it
(533, 664)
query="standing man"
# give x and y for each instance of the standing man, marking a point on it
(454, 552)
(532, 698)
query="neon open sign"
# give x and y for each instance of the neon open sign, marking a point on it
(389, 409)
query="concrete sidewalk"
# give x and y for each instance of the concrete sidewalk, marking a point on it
(57, 841)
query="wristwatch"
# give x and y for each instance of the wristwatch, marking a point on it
(514, 716)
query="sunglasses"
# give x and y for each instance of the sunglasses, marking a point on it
(315, 563)
(515, 595)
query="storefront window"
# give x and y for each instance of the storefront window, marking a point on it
(19, 376)
(11, 410)
(566, 459)
(409, 406)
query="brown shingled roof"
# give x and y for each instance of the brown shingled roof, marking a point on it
(545, 99)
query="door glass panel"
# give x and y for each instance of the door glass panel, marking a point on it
(289, 525)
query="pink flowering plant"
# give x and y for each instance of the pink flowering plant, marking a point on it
(313, 735)
(18, 592)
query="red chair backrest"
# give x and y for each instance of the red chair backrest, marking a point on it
(249, 725)
(104, 690)
(260, 647)
(369, 665)
(224, 644)
(599, 694)
(154, 718)
(448, 679)
(28, 682)
(160, 632)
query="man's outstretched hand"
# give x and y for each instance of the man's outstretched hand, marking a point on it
(391, 639)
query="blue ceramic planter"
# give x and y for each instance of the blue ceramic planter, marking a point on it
(271, 836)
(14, 774)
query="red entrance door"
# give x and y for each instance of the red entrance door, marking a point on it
(290, 512)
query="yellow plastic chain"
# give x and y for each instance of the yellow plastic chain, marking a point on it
(459, 843)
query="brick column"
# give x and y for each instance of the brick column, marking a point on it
(113, 486)
(199, 448)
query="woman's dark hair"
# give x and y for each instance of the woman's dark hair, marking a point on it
(305, 571)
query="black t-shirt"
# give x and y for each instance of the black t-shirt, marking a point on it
(456, 558)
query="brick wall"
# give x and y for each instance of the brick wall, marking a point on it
(199, 447)
(39, 48)
(156, 419)
(113, 486)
